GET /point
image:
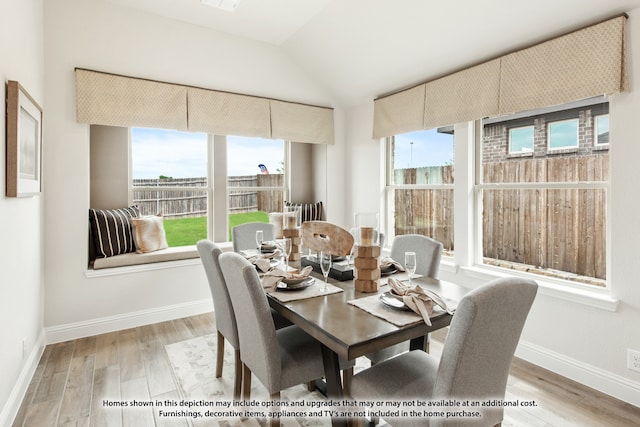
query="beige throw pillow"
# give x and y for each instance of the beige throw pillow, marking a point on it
(148, 233)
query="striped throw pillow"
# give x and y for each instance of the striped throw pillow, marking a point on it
(310, 211)
(112, 230)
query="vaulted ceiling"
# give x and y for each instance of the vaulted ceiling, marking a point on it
(360, 49)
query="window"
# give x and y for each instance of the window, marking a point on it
(169, 171)
(547, 214)
(601, 130)
(562, 135)
(255, 179)
(521, 140)
(420, 185)
(171, 174)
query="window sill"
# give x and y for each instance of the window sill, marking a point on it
(520, 155)
(562, 289)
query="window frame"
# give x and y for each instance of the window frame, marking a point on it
(388, 216)
(564, 148)
(510, 140)
(597, 144)
(479, 187)
(214, 233)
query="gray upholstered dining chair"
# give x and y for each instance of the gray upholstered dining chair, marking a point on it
(278, 358)
(226, 327)
(475, 360)
(244, 235)
(428, 254)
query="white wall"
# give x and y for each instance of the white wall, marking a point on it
(106, 37)
(585, 343)
(21, 219)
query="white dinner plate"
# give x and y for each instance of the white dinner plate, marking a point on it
(387, 298)
(304, 283)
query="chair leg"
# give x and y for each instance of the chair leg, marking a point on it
(427, 343)
(246, 382)
(237, 385)
(220, 355)
(275, 421)
(311, 386)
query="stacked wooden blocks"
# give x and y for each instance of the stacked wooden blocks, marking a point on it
(367, 268)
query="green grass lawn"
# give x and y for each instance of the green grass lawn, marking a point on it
(187, 231)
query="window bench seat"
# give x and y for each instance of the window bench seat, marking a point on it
(133, 258)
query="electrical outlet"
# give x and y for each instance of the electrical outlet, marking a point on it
(633, 360)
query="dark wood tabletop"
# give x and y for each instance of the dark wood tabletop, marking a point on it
(351, 332)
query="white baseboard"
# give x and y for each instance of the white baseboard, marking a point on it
(607, 382)
(103, 325)
(12, 406)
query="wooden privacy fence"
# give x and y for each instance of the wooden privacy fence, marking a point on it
(427, 212)
(171, 203)
(193, 202)
(559, 229)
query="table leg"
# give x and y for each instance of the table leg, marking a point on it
(334, 383)
(418, 343)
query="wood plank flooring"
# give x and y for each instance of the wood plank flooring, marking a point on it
(73, 378)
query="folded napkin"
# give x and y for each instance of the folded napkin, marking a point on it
(418, 299)
(263, 261)
(273, 277)
(388, 262)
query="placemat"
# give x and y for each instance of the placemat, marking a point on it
(312, 291)
(374, 306)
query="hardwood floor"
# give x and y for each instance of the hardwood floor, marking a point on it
(73, 377)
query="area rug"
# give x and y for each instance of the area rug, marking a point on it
(193, 364)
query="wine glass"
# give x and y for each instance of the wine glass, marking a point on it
(286, 249)
(325, 266)
(352, 255)
(410, 264)
(259, 239)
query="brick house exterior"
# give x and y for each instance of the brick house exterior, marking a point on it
(495, 142)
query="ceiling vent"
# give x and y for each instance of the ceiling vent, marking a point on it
(228, 5)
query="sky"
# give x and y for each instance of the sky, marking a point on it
(429, 148)
(184, 154)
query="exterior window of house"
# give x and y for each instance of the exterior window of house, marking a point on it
(547, 214)
(256, 180)
(169, 177)
(562, 134)
(419, 190)
(521, 140)
(601, 130)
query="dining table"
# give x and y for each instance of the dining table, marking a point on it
(349, 324)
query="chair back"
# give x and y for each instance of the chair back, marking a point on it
(482, 339)
(428, 252)
(259, 348)
(244, 235)
(225, 318)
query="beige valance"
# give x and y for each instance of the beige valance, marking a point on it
(463, 96)
(399, 113)
(223, 113)
(114, 100)
(583, 64)
(301, 123)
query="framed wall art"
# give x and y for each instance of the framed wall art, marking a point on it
(24, 143)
